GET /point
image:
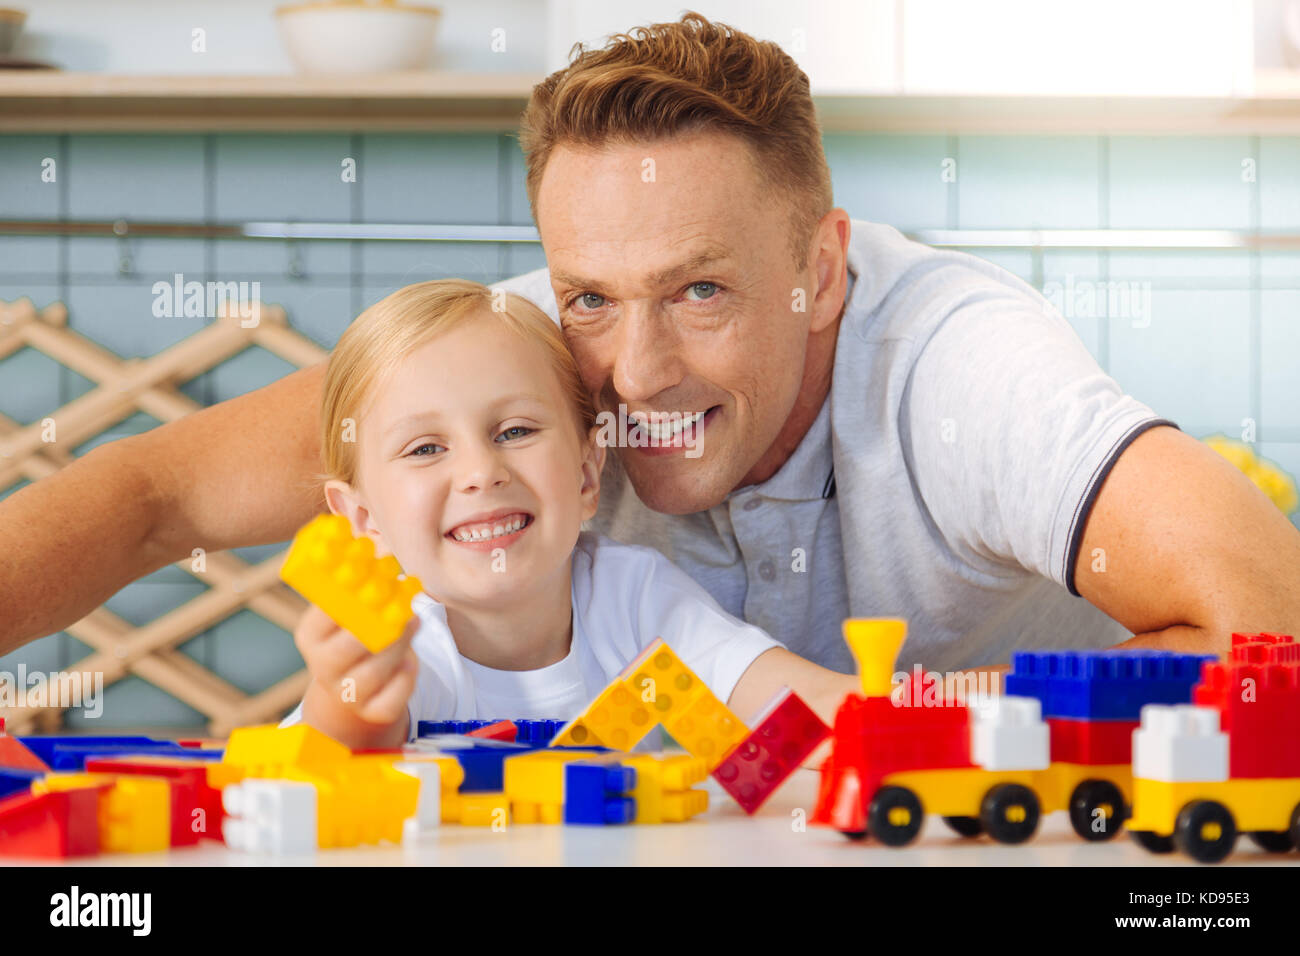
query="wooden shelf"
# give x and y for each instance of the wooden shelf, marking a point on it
(57, 101)
(53, 101)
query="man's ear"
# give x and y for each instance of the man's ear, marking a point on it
(829, 257)
(593, 463)
(345, 500)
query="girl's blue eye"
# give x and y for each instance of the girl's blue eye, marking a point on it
(416, 451)
(515, 431)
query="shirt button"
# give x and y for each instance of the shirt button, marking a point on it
(753, 503)
(767, 570)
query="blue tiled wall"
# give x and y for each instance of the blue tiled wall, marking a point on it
(1221, 346)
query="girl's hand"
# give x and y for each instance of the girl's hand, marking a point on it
(371, 687)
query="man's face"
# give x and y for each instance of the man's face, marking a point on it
(671, 266)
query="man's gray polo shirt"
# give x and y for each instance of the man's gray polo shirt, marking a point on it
(947, 478)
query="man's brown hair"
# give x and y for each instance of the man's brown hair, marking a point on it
(672, 78)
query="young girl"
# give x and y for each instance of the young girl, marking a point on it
(457, 434)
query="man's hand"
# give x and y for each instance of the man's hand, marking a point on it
(1191, 549)
(241, 472)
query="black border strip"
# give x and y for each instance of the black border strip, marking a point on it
(1094, 488)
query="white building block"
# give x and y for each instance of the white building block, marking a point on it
(1180, 742)
(428, 806)
(270, 816)
(1008, 733)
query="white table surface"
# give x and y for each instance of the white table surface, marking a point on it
(723, 835)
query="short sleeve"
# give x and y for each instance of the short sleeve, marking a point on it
(1010, 427)
(665, 602)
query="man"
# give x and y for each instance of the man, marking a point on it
(882, 428)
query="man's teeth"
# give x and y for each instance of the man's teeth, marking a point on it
(669, 428)
(485, 532)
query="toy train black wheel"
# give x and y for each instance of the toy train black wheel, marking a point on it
(964, 826)
(1153, 842)
(1205, 831)
(895, 816)
(1009, 813)
(1097, 810)
(855, 834)
(1274, 841)
(1295, 825)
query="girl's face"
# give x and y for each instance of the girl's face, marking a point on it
(471, 468)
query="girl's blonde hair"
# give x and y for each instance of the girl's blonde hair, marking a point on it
(389, 330)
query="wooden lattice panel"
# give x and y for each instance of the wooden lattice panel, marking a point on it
(124, 386)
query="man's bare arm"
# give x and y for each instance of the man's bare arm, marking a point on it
(238, 473)
(1192, 549)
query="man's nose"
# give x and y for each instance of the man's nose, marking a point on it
(648, 358)
(481, 467)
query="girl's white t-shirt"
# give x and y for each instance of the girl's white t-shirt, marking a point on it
(624, 596)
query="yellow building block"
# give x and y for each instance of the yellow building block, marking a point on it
(484, 809)
(663, 783)
(450, 807)
(362, 805)
(452, 773)
(534, 783)
(368, 597)
(576, 733)
(874, 643)
(618, 718)
(1256, 804)
(271, 746)
(658, 678)
(708, 730)
(361, 798)
(134, 810)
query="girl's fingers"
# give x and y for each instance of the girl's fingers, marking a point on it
(367, 677)
(389, 703)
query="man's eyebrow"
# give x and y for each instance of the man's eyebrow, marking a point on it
(691, 264)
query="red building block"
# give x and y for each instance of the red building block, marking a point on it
(51, 825)
(1075, 740)
(501, 730)
(1259, 708)
(786, 733)
(190, 791)
(1264, 648)
(15, 755)
(875, 737)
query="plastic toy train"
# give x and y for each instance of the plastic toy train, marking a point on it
(1109, 736)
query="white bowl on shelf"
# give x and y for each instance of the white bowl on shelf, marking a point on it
(353, 36)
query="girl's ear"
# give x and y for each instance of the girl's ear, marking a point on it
(593, 463)
(345, 500)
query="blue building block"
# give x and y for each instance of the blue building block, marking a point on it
(482, 760)
(70, 752)
(599, 793)
(537, 733)
(15, 780)
(1103, 685)
(430, 728)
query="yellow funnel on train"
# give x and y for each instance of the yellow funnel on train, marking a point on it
(874, 642)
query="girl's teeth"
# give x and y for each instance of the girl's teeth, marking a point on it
(483, 534)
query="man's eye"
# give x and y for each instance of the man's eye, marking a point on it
(513, 432)
(706, 290)
(590, 300)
